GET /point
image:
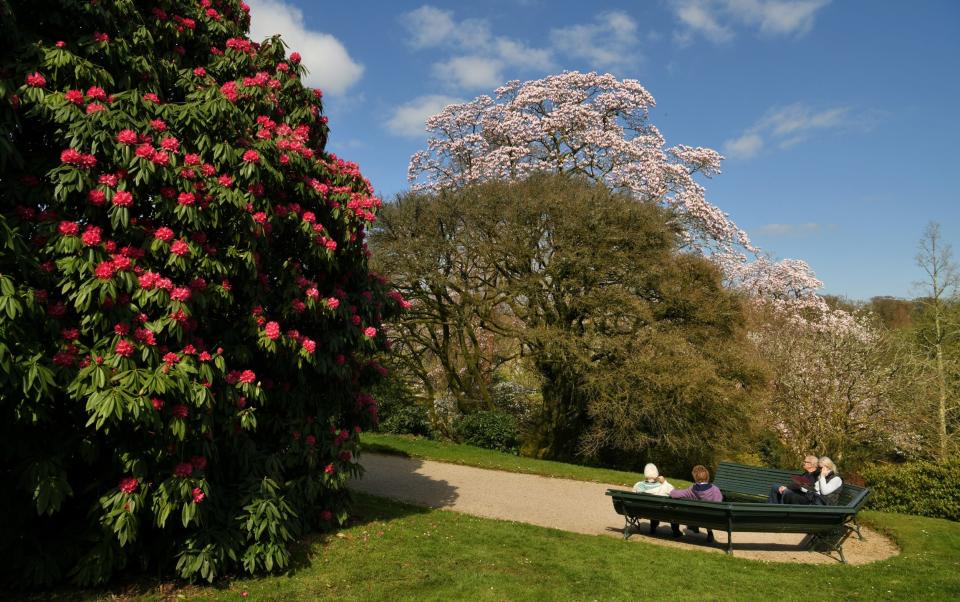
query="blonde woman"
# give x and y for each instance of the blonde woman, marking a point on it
(825, 490)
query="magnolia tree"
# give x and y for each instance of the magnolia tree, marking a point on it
(597, 126)
(186, 314)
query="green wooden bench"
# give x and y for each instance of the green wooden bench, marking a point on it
(744, 509)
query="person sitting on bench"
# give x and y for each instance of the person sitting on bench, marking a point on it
(702, 490)
(810, 474)
(654, 484)
(826, 489)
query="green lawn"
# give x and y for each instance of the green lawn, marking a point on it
(393, 551)
(418, 447)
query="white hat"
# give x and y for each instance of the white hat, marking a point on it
(650, 472)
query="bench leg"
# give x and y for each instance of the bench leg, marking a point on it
(729, 534)
(856, 527)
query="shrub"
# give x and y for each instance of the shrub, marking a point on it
(186, 312)
(922, 488)
(407, 420)
(490, 430)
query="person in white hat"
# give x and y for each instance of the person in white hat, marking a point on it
(653, 484)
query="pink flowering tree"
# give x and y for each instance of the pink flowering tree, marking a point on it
(597, 125)
(187, 319)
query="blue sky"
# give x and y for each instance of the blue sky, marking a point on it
(839, 119)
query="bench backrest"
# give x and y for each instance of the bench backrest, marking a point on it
(739, 481)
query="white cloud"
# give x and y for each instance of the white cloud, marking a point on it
(475, 58)
(609, 41)
(331, 68)
(716, 19)
(792, 230)
(410, 119)
(428, 26)
(744, 147)
(791, 125)
(470, 72)
(699, 18)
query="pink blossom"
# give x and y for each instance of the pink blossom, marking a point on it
(163, 233)
(251, 156)
(180, 294)
(198, 495)
(129, 485)
(91, 236)
(272, 330)
(180, 411)
(184, 469)
(370, 332)
(247, 376)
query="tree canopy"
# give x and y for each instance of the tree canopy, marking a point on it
(638, 347)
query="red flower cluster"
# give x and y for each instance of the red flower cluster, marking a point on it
(124, 348)
(122, 198)
(129, 485)
(184, 469)
(72, 156)
(198, 495)
(36, 80)
(272, 330)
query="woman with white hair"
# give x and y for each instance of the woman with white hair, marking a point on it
(653, 484)
(826, 487)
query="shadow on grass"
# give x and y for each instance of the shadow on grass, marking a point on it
(393, 477)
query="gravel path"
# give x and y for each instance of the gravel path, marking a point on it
(572, 506)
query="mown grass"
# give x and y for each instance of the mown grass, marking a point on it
(394, 551)
(467, 455)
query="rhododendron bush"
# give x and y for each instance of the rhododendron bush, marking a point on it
(187, 320)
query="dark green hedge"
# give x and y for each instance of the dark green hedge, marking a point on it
(922, 488)
(490, 430)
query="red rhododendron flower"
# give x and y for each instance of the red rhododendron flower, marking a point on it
(68, 228)
(36, 80)
(248, 376)
(332, 302)
(199, 71)
(96, 93)
(186, 198)
(329, 469)
(184, 469)
(170, 143)
(122, 198)
(151, 97)
(170, 358)
(145, 151)
(124, 348)
(129, 485)
(74, 96)
(260, 217)
(163, 233)
(127, 137)
(251, 156)
(180, 248)
(309, 344)
(157, 403)
(158, 124)
(93, 107)
(180, 293)
(199, 462)
(198, 495)
(180, 411)
(272, 330)
(99, 36)
(91, 236)
(97, 197)
(104, 270)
